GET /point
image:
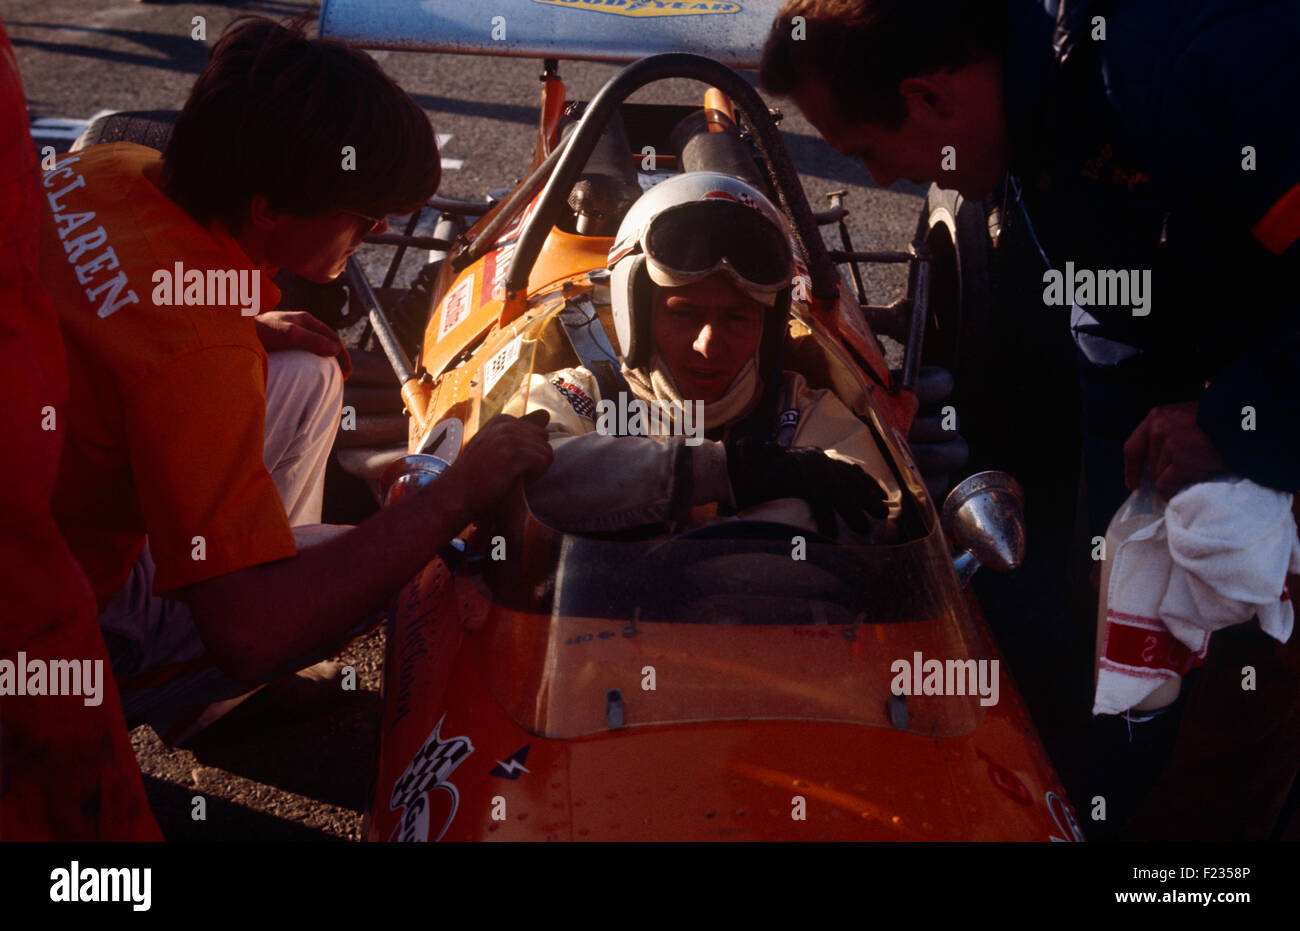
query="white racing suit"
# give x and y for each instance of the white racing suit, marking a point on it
(602, 483)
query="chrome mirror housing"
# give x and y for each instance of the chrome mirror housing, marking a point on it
(984, 517)
(408, 474)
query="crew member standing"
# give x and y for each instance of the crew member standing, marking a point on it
(67, 770)
(1141, 138)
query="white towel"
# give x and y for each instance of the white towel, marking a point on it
(1219, 556)
(1233, 543)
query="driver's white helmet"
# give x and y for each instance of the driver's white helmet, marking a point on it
(683, 230)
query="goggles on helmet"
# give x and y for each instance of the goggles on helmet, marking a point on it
(689, 242)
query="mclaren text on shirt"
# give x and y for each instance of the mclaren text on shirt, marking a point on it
(92, 260)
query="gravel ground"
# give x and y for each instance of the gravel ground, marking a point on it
(265, 774)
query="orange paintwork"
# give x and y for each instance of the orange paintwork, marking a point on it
(728, 780)
(564, 256)
(548, 130)
(716, 100)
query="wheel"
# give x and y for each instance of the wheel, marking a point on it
(960, 329)
(151, 128)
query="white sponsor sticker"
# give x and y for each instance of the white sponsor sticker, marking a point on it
(500, 363)
(456, 307)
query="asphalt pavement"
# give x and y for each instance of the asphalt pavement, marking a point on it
(273, 776)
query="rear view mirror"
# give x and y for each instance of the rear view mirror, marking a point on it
(984, 517)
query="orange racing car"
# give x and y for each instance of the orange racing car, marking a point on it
(548, 686)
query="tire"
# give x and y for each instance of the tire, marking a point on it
(959, 327)
(1016, 391)
(150, 128)
(327, 302)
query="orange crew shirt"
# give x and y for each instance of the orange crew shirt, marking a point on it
(168, 379)
(67, 770)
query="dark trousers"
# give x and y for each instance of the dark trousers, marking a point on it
(1237, 752)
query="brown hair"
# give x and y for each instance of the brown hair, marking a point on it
(271, 114)
(862, 49)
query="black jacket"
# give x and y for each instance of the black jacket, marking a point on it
(1129, 150)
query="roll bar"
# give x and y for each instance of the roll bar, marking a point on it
(781, 172)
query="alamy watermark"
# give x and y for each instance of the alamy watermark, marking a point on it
(25, 676)
(194, 287)
(1103, 288)
(920, 676)
(635, 417)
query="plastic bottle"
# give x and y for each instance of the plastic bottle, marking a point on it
(1145, 506)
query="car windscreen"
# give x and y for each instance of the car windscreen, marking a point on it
(588, 635)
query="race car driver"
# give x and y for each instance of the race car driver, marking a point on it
(700, 282)
(1140, 137)
(286, 154)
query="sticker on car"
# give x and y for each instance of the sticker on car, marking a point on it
(499, 363)
(513, 765)
(427, 772)
(456, 307)
(1064, 819)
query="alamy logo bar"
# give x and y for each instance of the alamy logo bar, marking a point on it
(103, 884)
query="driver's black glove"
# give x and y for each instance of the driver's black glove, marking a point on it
(764, 473)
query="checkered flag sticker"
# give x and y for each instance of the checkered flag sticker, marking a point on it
(428, 770)
(500, 363)
(578, 399)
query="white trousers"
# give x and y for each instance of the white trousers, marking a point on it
(304, 394)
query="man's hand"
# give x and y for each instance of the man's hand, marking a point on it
(503, 451)
(828, 485)
(1173, 449)
(254, 620)
(297, 329)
